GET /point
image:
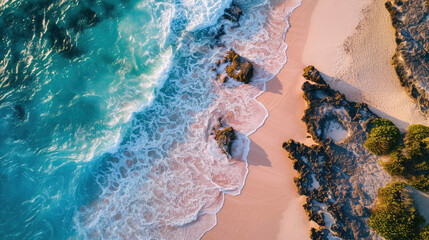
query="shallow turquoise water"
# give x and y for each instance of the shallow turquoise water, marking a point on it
(71, 74)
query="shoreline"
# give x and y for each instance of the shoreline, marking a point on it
(269, 206)
(260, 210)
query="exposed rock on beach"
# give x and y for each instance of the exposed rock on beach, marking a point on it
(410, 18)
(338, 175)
(312, 74)
(225, 137)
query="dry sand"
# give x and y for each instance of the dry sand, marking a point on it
(269, 207)
(360, 66)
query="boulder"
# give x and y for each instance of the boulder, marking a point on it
(225, 137)
(239, 69)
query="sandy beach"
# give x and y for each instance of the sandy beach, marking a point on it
(351, 43)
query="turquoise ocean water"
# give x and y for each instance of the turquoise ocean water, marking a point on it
(106, 111)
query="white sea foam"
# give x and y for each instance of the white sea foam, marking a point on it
(167, 178)
(203, 13)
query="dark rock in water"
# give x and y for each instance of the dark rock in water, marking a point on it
(225, 137)
(19, 110)
(411, 60)
(312, 74)
(85, 19)
(239, 69)
(340, 179)
(233, 13)
(62, 42)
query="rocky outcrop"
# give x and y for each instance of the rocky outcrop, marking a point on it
(232, 16)
(225, 137)
(319, 234)
(410, 18)
(233, 13)
(339, 177)
(239, 69)
(233, 66)
(312, 74)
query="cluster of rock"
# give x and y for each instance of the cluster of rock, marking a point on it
(232, 16)
(233, 66)
(340, 179)
(410, 18)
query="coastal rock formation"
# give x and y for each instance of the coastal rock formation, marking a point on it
(233, 13)
(338, 175)
(312, 74)
(239, 69)
(232, 16)
(410, 18)
(225, 137)
(233, 66)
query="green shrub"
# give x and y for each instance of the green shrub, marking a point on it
(416, 141)
(424, 235)
(397, 164)
(394, 217)
(377, 146)
(383, 138)
(382, 122)
(420, 182)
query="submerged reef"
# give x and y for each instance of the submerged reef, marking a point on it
(339, 176)
(410, 18)
(225, 137)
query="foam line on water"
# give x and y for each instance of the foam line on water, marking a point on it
(167, 177)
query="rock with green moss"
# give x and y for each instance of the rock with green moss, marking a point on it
(312, 74)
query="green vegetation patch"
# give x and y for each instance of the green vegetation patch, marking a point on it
(383, 138)
(394, 217)
(411, 159)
